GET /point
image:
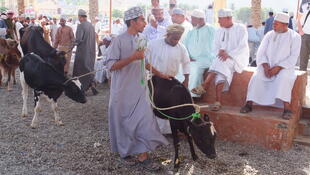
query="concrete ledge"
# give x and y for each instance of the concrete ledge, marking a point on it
(261, 127)
(264, 125)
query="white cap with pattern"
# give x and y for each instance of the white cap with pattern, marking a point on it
(133, 13)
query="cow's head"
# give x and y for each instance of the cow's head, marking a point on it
(73, 90)
(204, 134)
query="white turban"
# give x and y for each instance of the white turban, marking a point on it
(282, 17)
(224, 13)
(133, 13)
(198, 14)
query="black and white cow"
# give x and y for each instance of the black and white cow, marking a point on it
(47, 80)
(169, 93)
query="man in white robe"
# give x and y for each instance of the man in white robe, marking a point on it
(178, 17)
(162, 20)
(154, 31)
(199, 43)
(274, 78)
(165, 56)
(232, 50)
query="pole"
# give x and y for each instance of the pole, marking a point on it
(110, 19)
(297, 10)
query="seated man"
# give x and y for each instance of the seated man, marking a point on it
(231, 48)
(275, 75)
(165, 56)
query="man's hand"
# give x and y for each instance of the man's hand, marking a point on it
(138, 55)
(274, 71)
(223, 56)
(185, 83)
(266, 70)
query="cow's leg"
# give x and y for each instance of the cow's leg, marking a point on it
(191, 146)
(176, 144)
(0, 76)
(56, 113)
(14, 76)
(24, 94)
(9, 81)
(34, 123)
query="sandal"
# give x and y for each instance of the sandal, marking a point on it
(150, 165)
(199, 90)
(246, 109)
(216, 106)
(287, 114)
(128, 161)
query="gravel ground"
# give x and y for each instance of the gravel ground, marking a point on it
(69, 149)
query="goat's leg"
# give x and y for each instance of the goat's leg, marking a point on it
(56, 113)
(176, 143)
(34, 123)
(24, 94)
(191, 146)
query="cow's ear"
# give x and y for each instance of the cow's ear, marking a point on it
(206, 118)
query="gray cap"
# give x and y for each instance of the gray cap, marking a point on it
(82, 12)
(178, 11)
(133, 13)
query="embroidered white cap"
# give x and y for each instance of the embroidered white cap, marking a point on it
(224, 13)
(133, 13)
(282, 17)
(198, 13)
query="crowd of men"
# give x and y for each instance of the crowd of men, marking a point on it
(188, 49)
(197, 54)
(61, 35)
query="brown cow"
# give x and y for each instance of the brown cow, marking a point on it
(9, 60)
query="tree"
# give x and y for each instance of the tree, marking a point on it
(93, 9)
(21, 6)
(256, 13)
(116, 13)
(244, 14)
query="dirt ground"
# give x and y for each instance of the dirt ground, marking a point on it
(69, 149)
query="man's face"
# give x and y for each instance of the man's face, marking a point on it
(173, 38)
(155, 3)
(177, 19)
(55, 20)
(10, 15)
(139, 24)
(225, 21)
(279, 27)
(195, 21)
(158, 14)
(62, 22)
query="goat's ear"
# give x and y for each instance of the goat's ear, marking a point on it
(206, 118)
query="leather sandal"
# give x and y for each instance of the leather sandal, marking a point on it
(246, 109)
(287, 114)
